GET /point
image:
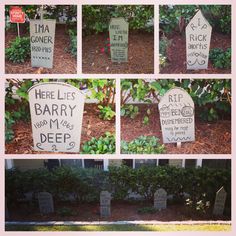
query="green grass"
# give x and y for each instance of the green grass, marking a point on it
(204, 227)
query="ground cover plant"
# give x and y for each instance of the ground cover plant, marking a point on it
(140, 116)
(98, 124)
(96, 41)
(172, 47)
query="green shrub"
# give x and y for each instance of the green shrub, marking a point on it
(65, 211)
(142, 145)
(220, 58)
(147, 210)
(102, 145)
(129, 110)
(106, 112)
(9, 122)
(73, 42)
(19, 50)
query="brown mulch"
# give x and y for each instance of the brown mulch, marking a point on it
(176, 54)
(63, 61)
(121, 211)
(140, 54)
(211, 138)
(92, 126)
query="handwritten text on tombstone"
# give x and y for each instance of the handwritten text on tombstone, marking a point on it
(42, 35)
(198, 37)
(56, 116)
(176, 110)
(118, 31)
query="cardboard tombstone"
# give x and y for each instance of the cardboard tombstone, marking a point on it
(160, 199)
(118, 31)
(176, 110)
(42, 37)
(56, 116)
(198, 37)
(219, 204)
(105, 204)
(45, 200)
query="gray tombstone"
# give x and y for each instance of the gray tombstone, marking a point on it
(105, 204)
(220, 199)
(198, 37)
(160, 198)
(42, 37)
(176, 110)
(118, 31)
(56, 116)
(46, 205)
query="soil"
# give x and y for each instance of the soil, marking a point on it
(120, 211)
(176, 54)
(211, 138)
(140, 55)
(63, 61)
(92, 126)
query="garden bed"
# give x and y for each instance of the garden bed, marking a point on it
(119, 211)
(140, 55)
(176, 54)
(211, 138)
(92, 126)
(63, 62)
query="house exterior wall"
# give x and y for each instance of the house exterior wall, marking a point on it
(24, 164)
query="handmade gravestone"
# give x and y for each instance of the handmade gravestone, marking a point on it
(176, 110)
(42, 35)
(105, 204)
(160, 198)
(220, 199)
(56, 116)
(118, 31)
(46, 205)
(198, 37)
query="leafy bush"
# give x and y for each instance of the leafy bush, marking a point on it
(220, 58)
(129, 110)
(73, 42)
(9, 122)
(142, 145)
(102, 145)
(106, 112)
(19, 50)
(96, 18)
(163, 45)
(147, 210)
(65, 211)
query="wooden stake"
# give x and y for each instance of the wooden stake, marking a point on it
(18, 29)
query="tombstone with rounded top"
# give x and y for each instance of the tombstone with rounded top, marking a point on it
(220, 199)
(160, 199)
(56, 116)
(176, 110)
(198, 37)
(118, 32)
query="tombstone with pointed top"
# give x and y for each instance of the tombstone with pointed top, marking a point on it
(160, 199)
(118, 32)
(220, 199)
(198, 37)
(42, 37)
(176, 110)
(105, 204)
(46, 205)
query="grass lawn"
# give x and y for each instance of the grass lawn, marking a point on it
(205, 227)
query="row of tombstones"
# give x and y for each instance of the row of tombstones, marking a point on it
(46, 205)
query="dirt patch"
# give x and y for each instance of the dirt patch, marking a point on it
(92, 126)
(119, 211)
(176, 55)
(140, 54)
(211, 138)
(63, 62)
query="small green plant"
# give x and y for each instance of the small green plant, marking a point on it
(106, 112)
(142, 145)
(9, 122)
(102, 145)
(147, 210)
(129, 110)
(164, 44)
(73, 42)
(200, 204)
(146, 120)
(65, 211)
(220, 58)
(19, 50)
